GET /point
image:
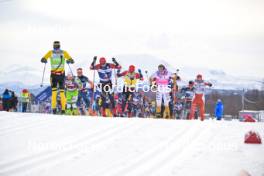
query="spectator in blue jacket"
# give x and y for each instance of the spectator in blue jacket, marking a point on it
(219, 110)
(6, 100)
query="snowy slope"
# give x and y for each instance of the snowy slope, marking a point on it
(46, 145)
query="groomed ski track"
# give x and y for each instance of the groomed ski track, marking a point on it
(53, 145)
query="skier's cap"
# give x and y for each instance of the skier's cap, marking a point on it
(56, 43)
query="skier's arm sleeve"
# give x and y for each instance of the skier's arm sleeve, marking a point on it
(121, 74)
(152, 77)
(118, 67)
(95, 67)
(113, 66)
(47, 55)
(208, 84)
(66, 55)
(139, 76)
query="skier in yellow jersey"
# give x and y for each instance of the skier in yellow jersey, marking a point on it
(57, 60)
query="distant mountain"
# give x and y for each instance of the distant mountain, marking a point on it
(22, 76)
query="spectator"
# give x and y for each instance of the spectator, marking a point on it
(13, 102)
(25, 98)
(6, 100)
(219, 109)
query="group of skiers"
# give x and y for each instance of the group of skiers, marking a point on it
(79, 95)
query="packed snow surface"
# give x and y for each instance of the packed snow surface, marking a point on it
(54, 145)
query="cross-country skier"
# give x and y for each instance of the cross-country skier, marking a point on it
(198, 100)
(152, 108)
(86, 86)
(188, 94)
(162, 80)
(131, 78)
(106, 105)
(119, 103)
(147, 106)
(177, 109)
(104, 70)
(136, 104)
(57, 60)
(72, 85)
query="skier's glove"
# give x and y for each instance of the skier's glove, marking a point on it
(43, 60)
(114, 61)
(94, 60)
(70, 61)
(210, 84)
(140, 73)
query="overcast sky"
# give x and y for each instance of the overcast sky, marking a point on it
(226, 34)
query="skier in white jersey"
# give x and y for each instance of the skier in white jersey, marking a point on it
(161, 79)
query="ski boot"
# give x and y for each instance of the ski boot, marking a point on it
(108, 112)
(166, 113)
(54, 111)
(158, 112)
(62, 112)
(75, 111)
(68, 111)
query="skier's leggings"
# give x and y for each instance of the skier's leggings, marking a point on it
(57, 81)
(198, 102)
(126, 95)
(106, 88)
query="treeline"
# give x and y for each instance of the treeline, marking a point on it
(232, 100)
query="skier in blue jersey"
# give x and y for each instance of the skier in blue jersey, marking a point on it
(104, 70)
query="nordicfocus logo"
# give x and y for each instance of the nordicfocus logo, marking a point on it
(145, 88)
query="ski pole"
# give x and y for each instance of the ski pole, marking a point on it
(115, 78)
(147, 74)
(93, 91)
(146, 71)
(41, 85)
(70, 68)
